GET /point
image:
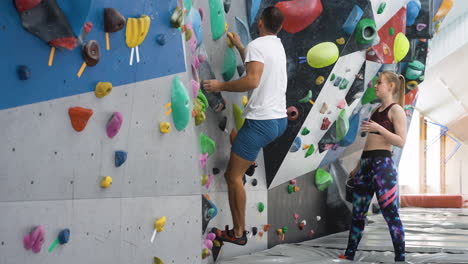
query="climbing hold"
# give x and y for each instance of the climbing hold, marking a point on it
(222, 124)
(136, 30)
(296, 145)
(366, 31)
(285, 229)
(157, 260)
(279, 231)
(204, 179)
(196, 20)
(306, 98)
(323, 179)
(207, 145)
(381, 7)
(188, 34)
(208, 182)
(290, 188)
(113, 20)
(401, 46)
(352, 20)
(64, 236)
(177, 17)
(208, 244)
(310, 151)
(106, 182)
(411, 85)
(302, 225)
(226, 27)
(391, 31)
(237, 111)
(229, 67)
(369, 94)
(337, 81)
(444, 8)
(91, 53)
(161, 39)
(114, 124)
(305, 131)
(292, 113)
(218, 21)
(120, 158)
(232, 136)
(228, 39)
(319, 80)
(266, 227)
(216, 171)
(414, 70)
(342, 125)
(159, 224)
(420, 27)
(322, 55)
(227, 5)
(243, 31)
(180, 104)
(296, 188)
(343, 84)
(305, 147)
(211, 213)
(211, 236)
(325, 124)
(164, 127)
(34, 239)
(293, 181)
(340, 41)
(352, 131)
(332, 78)
(216, 243)
(23, 72)
(341, 104)
(254, 182)
(79, 117)
(324, 108)
(199, 108)
(412, 11)
(251, 170)
(261, 207)
(254, 231)
(245, 100)
(299, 14)
(102, 89)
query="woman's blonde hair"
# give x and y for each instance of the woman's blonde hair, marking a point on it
(400, 85)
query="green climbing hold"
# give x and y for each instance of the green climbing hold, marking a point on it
(180, 103)
(391, 31)
(238, 116)
(218, 21)
(230, 66)
(285, 229)
(322, 55)
(261, 207)
(211, 212)
(207, 144)
(369, 95)
(290, 188)
(332, 78)
(342, 125)
(323, 179)
(344, 84)
(381, 8)
(305, 131)
(204, 102)
(306, 98)
(310, 151)
(366, 31)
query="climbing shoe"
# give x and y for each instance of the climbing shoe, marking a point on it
(229, 236)
(344, 257)
(251, 170)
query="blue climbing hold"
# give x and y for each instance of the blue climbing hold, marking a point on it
(243, 31)
(253, 6)
(120, 158)
(412, 11)
(196, 20)
(161, 39)
(352, 20)
(23, 72)
(64, 236)
(352, 132)
(296, 145)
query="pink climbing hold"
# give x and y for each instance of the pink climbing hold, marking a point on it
(299, 14)
(341, 104)
(114, 124)
(208, 182)
(195, 88)
(421, 26)
(293, 181)
(296, 217)
(325, 124)
(34, 239)
(203, 158)
(208, 244)
(211, 236)
(193, 40)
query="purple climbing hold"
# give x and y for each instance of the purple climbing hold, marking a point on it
(420, 27)
(114, 124)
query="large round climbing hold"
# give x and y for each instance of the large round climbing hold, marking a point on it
(299, 14)
(366, 31)
(323, 55)
(401, 46)
(293, 113)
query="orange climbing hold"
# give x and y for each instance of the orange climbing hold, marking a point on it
(79, 117)
(299, 14)
(266, 227)
(233, 135)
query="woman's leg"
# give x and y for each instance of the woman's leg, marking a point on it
(386, 186)
(363, 192)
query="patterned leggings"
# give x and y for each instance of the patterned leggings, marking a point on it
(376, 174)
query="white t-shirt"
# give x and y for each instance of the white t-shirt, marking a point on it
(268, 100)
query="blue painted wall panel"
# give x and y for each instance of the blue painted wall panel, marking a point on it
(19, 47)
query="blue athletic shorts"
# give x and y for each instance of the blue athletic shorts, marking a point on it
(256, 134)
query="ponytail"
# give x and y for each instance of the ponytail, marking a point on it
(400, 85)
(401, 91)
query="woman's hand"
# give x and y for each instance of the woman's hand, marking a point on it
(371, 126)
(212, 86)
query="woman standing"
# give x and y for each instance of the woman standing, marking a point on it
(375, 171)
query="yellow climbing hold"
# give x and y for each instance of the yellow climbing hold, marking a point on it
(319, 80)
(157, 260)
(136, 31)
(188, 34)
(216, 243)
(238, 116)
(164, 127)
(106, 182)
(205, 253)
(401, 46)
(159, 224)
(340, 41)
(226, 27)
(229, 42)
(322, 55)
(103, 89)
(204, 179)
(245, 100)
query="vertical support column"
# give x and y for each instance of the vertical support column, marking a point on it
(443, 187)
(422, 154)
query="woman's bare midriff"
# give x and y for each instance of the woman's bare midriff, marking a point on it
(375, 141)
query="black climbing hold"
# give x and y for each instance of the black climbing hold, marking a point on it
(216, 171)
(240, 69)
(254, 231)
(222, 124)
(161, 39)
(23, 72)
(244, 180)
(254, 182)
(363, 134)
(251, 170)
(322, 147)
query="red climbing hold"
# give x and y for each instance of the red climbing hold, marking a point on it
(23, 5)
(299, 14)
(410, 96)
(325, 124)
(66, 43)
(79, 117)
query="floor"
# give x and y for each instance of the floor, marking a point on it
(432, 236)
